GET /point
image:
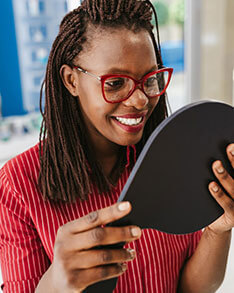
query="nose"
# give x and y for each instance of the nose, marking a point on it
(137, 100)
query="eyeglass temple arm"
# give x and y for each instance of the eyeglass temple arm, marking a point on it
(89, 73)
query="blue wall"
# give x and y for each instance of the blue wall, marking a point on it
(10, 86)
(173, 55)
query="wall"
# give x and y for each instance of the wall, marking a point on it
(217, 48)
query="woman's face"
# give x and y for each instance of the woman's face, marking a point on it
(118, 51)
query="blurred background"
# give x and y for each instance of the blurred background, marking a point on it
(197, 40)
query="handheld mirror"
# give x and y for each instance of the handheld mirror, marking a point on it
(168, 186)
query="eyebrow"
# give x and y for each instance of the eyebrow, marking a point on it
(116, 70)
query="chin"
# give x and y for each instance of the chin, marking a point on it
(131, 141)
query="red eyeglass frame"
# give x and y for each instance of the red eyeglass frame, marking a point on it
(136, 82)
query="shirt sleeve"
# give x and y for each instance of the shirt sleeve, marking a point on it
(22, 256)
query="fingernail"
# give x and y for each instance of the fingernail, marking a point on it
(123, 206)
(215, 188)
(135, 231)
(123, 267)
(131, 252)
(220, 169)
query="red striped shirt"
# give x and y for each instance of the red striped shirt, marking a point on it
(28, 227)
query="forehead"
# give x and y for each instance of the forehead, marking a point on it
(119, 48)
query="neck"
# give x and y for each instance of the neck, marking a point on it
(106, 153)
(107, 158)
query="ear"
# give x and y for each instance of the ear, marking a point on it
(70, 79)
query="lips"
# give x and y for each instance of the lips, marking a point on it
(132, 122)
(129, 121)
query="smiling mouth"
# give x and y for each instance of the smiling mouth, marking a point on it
(129, 121)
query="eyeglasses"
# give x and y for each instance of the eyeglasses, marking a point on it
(117, 87)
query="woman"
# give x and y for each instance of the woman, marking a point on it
(104, 93)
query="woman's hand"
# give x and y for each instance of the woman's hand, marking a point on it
(77, 264)
(225, 199)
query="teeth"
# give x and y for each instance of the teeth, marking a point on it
(129, 121)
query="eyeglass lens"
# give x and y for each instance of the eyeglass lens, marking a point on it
(118, 88)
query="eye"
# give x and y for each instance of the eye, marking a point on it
(151, 81)
(114, 84)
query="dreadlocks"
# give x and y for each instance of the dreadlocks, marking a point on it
(65, 156)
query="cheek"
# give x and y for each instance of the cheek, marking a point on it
(94, 106)
(90, 98)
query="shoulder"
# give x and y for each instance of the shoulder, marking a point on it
(21, 169)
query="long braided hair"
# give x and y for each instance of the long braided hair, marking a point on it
(65, 157)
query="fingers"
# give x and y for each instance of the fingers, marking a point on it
(223, 200)
(104, 236)
(230, 153)
(84, 278)
(86, 232)
(223, 195)
(100, 257)
(224, 177)
(97, 218)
